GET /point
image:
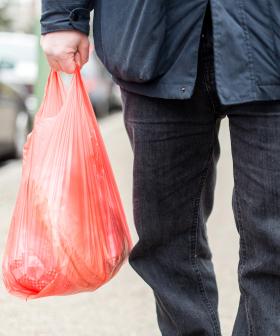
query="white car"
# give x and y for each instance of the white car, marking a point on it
(18, 59)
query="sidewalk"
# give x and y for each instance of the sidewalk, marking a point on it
(124, 306)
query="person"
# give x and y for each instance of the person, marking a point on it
(183, 66)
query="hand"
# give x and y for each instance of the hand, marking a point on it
(65, 49)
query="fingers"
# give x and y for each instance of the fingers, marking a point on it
(62, 62)
(60, 59)
(67, 62)
(65, 50)
(67, 65)
(54, 64)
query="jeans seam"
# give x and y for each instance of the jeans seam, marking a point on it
(194, 259)
(240, 227)
(244, 255)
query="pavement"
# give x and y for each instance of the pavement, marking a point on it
(125, 305)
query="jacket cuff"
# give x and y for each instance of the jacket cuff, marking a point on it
(76, 19)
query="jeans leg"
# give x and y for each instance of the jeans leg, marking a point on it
(176, 149)
(255, 139)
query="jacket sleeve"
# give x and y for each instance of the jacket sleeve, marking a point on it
(60, 15)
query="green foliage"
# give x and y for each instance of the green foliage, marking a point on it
(5, 21)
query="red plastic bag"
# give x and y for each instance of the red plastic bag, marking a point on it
(68, 232)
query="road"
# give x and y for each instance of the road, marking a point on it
(124, 306)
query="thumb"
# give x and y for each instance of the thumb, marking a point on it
(83, 51)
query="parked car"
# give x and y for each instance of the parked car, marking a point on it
(103, 92)
(18, 72)
(15, 122)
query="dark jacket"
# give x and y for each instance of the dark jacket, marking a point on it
(151, 46)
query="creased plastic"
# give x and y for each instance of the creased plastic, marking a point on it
(68, 232)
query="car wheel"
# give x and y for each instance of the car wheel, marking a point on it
(21, 131)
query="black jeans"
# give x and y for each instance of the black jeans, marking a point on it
(176, 150)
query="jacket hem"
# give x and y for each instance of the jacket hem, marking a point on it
(185, 91)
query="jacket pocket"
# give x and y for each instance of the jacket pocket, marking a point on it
(129, 37)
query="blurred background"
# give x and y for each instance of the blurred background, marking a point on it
(124, 306)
